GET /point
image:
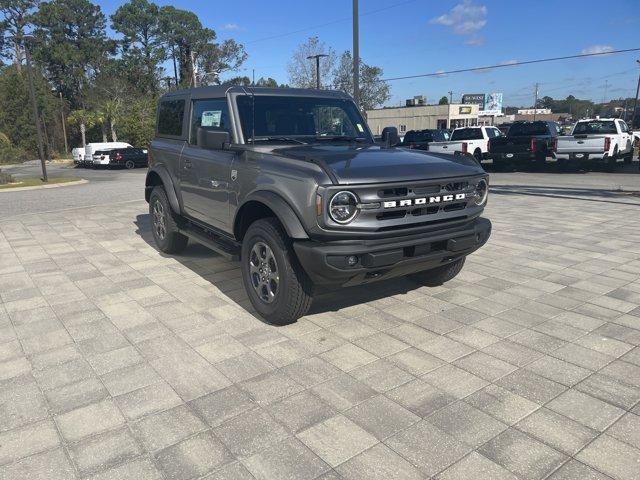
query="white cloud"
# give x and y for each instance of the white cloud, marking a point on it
(465, 18)
(231, 26)
(475, 41)
(597, 49)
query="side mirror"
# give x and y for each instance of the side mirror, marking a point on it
(212, 139)
(390, 136)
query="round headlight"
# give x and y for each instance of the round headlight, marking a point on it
(343, 207)
(481, 192)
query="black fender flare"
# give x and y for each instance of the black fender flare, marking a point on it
(162, 172)
(284, 212)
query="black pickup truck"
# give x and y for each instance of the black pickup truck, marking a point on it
(291, 183)
(524, 142)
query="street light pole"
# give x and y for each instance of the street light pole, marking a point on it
(356, 53)
(64, 127)
(535, 103)
(635, 102)
(317, 58)
(36, 116)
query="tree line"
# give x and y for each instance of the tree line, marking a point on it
(106, 88)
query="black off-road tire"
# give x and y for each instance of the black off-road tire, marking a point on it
(293, 296)
(628, 157)
(477, 154)
(439, 275)
(172, 241)
(129, 164)
(612, 161)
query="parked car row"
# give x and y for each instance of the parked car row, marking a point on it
(608, 141)
(110, 154)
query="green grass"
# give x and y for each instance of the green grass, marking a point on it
(33, 182)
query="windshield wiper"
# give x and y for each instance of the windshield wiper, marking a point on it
(347, 138)
(277, 139)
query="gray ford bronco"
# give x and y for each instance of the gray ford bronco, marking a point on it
(291, 183)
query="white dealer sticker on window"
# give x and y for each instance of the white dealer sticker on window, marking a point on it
(211, 118)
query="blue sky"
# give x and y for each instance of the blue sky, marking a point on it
(423, 36)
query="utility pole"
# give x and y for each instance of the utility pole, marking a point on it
(635, 102)
(535, 102)
(356, 54)
(317, 57)
(606, 86)
(450, 97)
(36, 116)
(64, 127)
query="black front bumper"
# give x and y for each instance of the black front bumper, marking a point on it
(326, 262)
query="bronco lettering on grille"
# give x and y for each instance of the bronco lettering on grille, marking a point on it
(424, 200)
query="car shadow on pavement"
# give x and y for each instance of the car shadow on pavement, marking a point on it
(197, 258)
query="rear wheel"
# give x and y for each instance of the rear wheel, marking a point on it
(628, 157)
(164, 226)
(276, 286)
(439, 275)
(612, 161)
(477, 155)
(129, 164)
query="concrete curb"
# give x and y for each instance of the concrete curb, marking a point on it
(40, 187)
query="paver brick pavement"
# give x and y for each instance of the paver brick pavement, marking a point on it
(119, 362)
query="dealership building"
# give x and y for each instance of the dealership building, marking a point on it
(475, 109)
(421, 117)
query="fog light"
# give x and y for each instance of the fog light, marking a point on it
(352, 260)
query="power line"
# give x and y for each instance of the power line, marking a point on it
(511, 64)
(328, 24)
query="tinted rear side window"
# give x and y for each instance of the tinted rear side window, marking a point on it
(170, 117)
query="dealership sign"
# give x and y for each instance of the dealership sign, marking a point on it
(489, 104)
(473, 99)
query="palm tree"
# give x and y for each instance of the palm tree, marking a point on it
(83, 119)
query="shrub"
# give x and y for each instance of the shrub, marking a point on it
(10, 154)
(5, 178)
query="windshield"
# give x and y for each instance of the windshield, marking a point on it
(524, 129)
(295, 117)
(594, 127)
(466, 134)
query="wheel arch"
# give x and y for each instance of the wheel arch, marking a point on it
(160, 176)
(266, 204)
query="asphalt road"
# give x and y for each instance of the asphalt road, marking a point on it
(104, 187)
(119, 186)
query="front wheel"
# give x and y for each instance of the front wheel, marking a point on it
(439, 275)
(276, 286)
(164, 226)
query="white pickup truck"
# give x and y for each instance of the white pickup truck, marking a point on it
(601, 139)
(472, 140)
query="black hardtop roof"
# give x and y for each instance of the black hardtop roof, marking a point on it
(222, 90)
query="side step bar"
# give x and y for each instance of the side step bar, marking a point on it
(227, 248)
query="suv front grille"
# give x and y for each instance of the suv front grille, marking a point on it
(397, 206)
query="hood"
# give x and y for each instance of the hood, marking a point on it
(356, 164)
